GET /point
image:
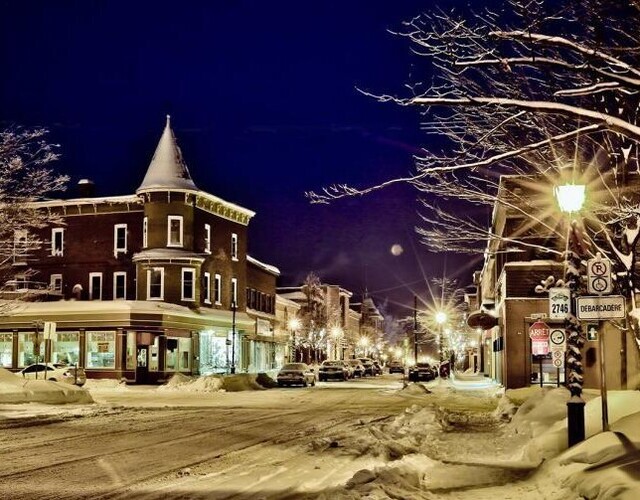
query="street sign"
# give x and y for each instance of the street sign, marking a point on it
(558, 339)
(609, 307)
(599, 276)
(557, 357)
(592, 333)
(539, 334)
(559, 302)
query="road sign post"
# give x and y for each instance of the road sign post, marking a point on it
(559, 300)
(599, 276)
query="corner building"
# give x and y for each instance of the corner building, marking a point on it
(146, 285)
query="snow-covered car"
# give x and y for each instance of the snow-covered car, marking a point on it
(422, 372)
(368, 366)
(333, 370)
(377, 369)
(57, 372)
(296, 374)
(356, 366)
(396, 367)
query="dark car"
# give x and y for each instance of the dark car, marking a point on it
(296, 374)
(377, 369)
(368, 365)
(396, 367)
(336, 370)
(422, 372)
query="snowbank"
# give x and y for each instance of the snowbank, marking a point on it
(212, 383)
(15, 389)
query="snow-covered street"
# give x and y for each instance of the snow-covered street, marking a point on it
(367, 438)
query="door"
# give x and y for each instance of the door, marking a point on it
(142, 364)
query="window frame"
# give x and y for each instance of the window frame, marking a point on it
(207, 238)
(186, 270)
(234, 246)
(116, 275)
(117, 250)
(234, 292)
(161, 271)
(145, 232)
(91, 277)
(180, 219)
(52, 280)
(217, 289)
(55, 231)
(207, 287)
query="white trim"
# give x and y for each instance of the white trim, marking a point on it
(91, 276)
(234, 246)
(217, 288)
(116, 275)
(207, 238)
(180, 219)
(161, 270)
(207, 288)
(52, 280)
(116, 249)
(54, 251)
(234, 291)
(186, 270)
(145, 232)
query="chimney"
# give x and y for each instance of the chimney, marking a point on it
(86, 188)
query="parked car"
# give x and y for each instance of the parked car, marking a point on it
(368, 365)
(57, 372)
(422, 372)
(396, 367)
(296, 374)
(377, 369)
(333, 370)
(356, 365)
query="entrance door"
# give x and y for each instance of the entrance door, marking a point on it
(142, 364)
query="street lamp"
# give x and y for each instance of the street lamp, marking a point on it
(364, 343)
(441, 319)
(570, 198)
(294, 325)
(336, 333)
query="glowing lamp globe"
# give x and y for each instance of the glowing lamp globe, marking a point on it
(570, 197)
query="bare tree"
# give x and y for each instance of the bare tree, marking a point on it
(25, 178)
(313, 314)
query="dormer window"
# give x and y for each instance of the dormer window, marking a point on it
(57, 241)
(174, 231)
(234, 246)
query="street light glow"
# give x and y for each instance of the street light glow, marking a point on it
(294, 324)
(441, 317)
(570, 197)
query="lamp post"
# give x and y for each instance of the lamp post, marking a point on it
(441, 319)
(294, 324)
(233, 337)
(570, 199)
(364, 342)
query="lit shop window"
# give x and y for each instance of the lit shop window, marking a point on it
(65, 348)
(178, 354)
(57, 241)
(101, 349)
(30, 348)
(119, 239)
(155, 283)
(6, 349)
(174, 231)
(131, 350)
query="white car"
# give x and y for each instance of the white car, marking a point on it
(296, 374)
(56, 372)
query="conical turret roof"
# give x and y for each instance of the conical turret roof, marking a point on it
(167, 169)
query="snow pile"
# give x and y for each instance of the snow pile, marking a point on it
(416, 389)
(543, 408)
(96, 384)
(15, 389)
(212, 383)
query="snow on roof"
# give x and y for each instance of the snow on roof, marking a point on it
(167, 168)
(129, 198)
(266, 267)
(167, 254)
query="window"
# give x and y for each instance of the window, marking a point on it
(6, 349)
(20, 245)
(119, 239)
(57, 241)
(174, 231)
(30, 348)
(65, 347)
(188, 279)
(178, 355)
(120, 285)
(95, 286)
(234, 246)
(56, 283)
(217, 289)
(234, 292)
(101, 350)
(207, 238)
(155, 283)
(206, 288)
(145, 231)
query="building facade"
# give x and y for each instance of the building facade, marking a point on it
(144, 285)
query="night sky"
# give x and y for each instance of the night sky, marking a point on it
(264, 104)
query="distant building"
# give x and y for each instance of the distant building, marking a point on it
(145, 285)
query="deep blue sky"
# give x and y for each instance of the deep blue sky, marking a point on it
(264, 104)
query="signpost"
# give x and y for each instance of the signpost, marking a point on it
(599, 308)
(599, 276)
(559, 299)
(539, 334)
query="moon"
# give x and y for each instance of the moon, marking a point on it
(396, 249)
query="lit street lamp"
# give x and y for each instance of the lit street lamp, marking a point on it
(336, 333)
(364, 343)
(570, 198)
(294, 325)
(441, 319)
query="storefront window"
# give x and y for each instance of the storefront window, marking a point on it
(131, 350)
(153, 356)
(178, 354)
(184, 347)
(6, 349)
(65, 348)
(29, 351)
(101, 349)
(214, 352)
